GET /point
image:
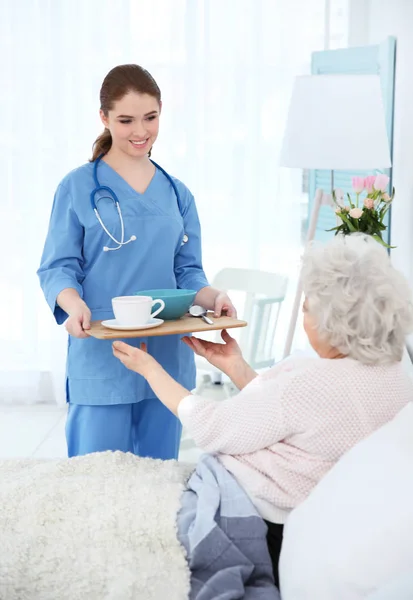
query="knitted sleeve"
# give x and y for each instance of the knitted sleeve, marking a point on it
(252, 420)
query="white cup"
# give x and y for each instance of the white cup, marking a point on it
(134, 311)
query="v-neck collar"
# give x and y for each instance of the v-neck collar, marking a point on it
(126, 184)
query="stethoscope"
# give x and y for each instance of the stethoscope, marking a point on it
(112, 196)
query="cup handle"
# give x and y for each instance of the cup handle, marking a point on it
(158, 310)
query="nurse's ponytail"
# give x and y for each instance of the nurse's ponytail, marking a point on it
(102, 144)
(118, 82)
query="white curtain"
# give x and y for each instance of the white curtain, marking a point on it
(225, 68)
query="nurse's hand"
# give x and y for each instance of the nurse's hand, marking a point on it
(79, 320)
(134, 359)
(223, 305)
(222, 356)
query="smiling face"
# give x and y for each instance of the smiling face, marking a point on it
(133, 123)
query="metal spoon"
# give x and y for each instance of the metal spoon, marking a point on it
(199, 311)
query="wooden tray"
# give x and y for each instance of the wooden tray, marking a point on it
(186, 324)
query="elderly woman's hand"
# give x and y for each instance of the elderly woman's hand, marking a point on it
(165, 387)
(134, 359)
(222, 356)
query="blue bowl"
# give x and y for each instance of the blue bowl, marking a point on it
(177, 302)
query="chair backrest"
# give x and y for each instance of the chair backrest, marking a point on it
(264, 293)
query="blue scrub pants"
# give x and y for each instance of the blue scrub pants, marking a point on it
(146, 428)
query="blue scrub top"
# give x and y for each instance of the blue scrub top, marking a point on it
(73, 257)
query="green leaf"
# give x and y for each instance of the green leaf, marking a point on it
(382, 242)
(350, 202)
(348, 223)
(384, 211)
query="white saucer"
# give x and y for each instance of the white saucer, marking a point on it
(113, 324)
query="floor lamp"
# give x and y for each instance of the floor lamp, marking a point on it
(335, 122)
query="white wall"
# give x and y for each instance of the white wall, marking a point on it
(371, 21)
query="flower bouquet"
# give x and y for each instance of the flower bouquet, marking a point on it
(369, 217)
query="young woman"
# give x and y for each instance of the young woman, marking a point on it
(119, 224)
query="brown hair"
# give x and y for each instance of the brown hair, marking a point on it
(118, 82)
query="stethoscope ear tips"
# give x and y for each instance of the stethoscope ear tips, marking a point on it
(132, 238)
(105, 249)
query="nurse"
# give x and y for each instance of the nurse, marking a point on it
(154, 242)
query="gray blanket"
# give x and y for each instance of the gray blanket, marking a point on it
(224, 537)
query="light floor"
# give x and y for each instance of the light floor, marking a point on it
(38, 431)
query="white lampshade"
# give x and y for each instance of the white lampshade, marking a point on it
(336, 122)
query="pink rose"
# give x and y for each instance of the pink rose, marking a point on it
(386, 198)
(381, 182)
(358, 184)
(369, 203)
(369, 183)
(356, 213)
(346, 209)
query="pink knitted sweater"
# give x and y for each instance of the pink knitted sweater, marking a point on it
(288, 427)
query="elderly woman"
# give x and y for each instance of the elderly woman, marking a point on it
(287, 427)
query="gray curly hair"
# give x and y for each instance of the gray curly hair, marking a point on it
(360, 303)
